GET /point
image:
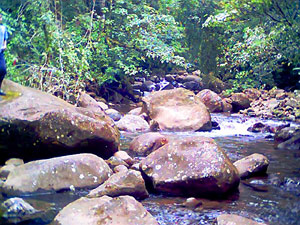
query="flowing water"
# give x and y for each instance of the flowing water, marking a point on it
(274, 198)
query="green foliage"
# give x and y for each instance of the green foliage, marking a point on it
(58, 50)
(260, 38)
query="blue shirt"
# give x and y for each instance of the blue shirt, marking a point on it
(3, 35)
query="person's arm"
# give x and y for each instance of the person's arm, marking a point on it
(5, 39)
(4, 44)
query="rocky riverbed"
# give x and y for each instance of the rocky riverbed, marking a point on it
(171, 161)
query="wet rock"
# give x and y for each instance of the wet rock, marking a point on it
(231, 219)
(252, 165)
(128, 182)
(61, 173)
(46, 126)
(123, 210)
(211, 99)
(192, 203)
(137, 111)
(252, 94)
(5, 170)
(146, 143)
(288, 138)
(193, 86)
(86, 101)
(113, 114)
(239, 101)
(16, 210)
(125, 157)
(15, 162)
(193, 166)
(115, 161)
(136, 166)
(131, 123)
(169, 86)
(259, 128)
(148, 86)
(215, 125)
(226, 105)
(120, 168)
(177, 110)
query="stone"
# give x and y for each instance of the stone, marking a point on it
(5, 170)
(259, 128)
(211, 99)
(136, 111)
(252, 94)
(123, 210)
(14, 161)
(115, 161)
(125, 157)
(288, 138)
(193, 166)
(132, 123)
(56, 174)
(120, 168)
(86, 101)
(46, 126)
(231, 219)
(113, 114)
(144, 144)
(226, 105)
(128, 182)
(240, 101)
(252, 165)
(192, 203)
(177, 110)
(16, 210)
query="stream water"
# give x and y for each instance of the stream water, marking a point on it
(274, 198)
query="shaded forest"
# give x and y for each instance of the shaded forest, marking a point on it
(63, 46)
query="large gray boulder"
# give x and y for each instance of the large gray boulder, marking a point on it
(193, 166)
(61, 173)
(123, 210)
(37, 125)
(177, 110)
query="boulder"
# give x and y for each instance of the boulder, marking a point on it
(252, 165)
(136, 111)
(132, 123)
(38, 125)
(252, 94)
(86, 101)
(230, 219)
(146, 143)
(226, 105)
(211, 99)
(115, 161)
(123, 210)
(193, 166)
(113, 114)
(239, 101)
(288, 138)
(5, 170)
(128, 182)
(120, 168)
(125, 157)
(16, 210)
(259, 127)
(177, 110)
(61, 173)
(15, 162)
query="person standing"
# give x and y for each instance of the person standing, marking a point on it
(3, 42)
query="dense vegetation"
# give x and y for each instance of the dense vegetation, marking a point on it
(61, 45)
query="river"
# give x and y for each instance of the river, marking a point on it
(273, 198)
